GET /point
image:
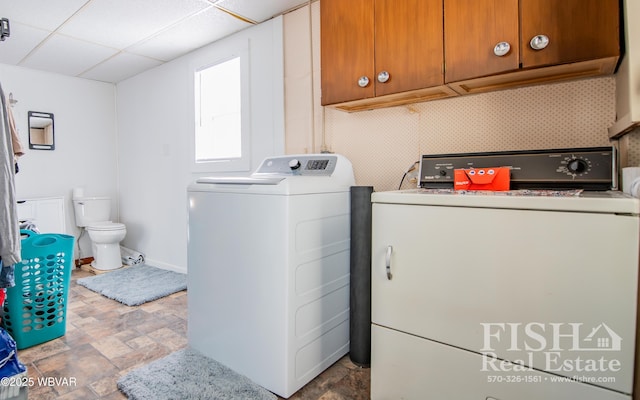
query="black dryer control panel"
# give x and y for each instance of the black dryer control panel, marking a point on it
(591, 168)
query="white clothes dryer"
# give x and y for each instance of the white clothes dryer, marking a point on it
(268, 269)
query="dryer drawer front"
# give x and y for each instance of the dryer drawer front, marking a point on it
(407, 367)
(521, 284)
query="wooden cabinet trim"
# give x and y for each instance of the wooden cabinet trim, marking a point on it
(397, 99)
(537, 76)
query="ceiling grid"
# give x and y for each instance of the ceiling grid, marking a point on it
(111, 40)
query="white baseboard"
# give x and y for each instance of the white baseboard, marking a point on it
(162, 265)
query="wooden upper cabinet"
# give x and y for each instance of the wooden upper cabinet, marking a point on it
(577, 30)
(364, 39)
(346, 48)
(567, 31)
(408, 44)
(380, 53)
(472, 29)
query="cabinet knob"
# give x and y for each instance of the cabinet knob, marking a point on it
(383, 76)
(501, 49)
(539, 42)
(363, 81)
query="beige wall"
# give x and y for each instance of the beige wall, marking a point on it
(383, 144)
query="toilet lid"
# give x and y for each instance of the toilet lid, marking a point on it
(106, 226)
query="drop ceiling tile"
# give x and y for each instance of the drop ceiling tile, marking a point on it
(120, 67)
(122, 23)
(22, 40)
(86, 33)
(190, 34)
(67, 55)
(259, 10)
(44, 14)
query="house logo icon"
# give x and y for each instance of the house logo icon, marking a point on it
(602, 338)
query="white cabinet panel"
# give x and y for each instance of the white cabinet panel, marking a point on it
(518, 283)
(46, 213)
(407, 367)
(26, 210)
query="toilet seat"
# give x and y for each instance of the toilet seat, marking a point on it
(106, 226)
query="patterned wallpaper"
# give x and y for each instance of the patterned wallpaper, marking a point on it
(382, 144)
(634, 148)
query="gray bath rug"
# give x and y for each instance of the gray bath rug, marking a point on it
(187, 374)
(137, 284)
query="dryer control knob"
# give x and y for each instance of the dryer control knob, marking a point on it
(294, 164)
(577, 166)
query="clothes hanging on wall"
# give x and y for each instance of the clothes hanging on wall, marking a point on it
(9, 227)
(18, 150)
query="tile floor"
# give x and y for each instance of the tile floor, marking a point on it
(106, 339)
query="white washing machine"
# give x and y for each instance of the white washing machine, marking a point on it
(268, 269)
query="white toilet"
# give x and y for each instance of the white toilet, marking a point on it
(92, 214)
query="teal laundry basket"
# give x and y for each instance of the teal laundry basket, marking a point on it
(35, 309)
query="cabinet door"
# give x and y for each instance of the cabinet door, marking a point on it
(346, 47)
(455, 271)
(408, 45)
(578, 30)
(472, 29)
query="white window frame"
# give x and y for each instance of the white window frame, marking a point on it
(243, 163)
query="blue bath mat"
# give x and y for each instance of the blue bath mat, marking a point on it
(137, 284)
(187, 374)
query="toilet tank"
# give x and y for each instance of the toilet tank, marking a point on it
(90, 210)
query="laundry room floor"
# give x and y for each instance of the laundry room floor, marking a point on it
(106, 339)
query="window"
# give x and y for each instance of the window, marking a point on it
(222, 117)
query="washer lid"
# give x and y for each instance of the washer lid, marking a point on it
(286, 175)
(106, 226)
(240, 180)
